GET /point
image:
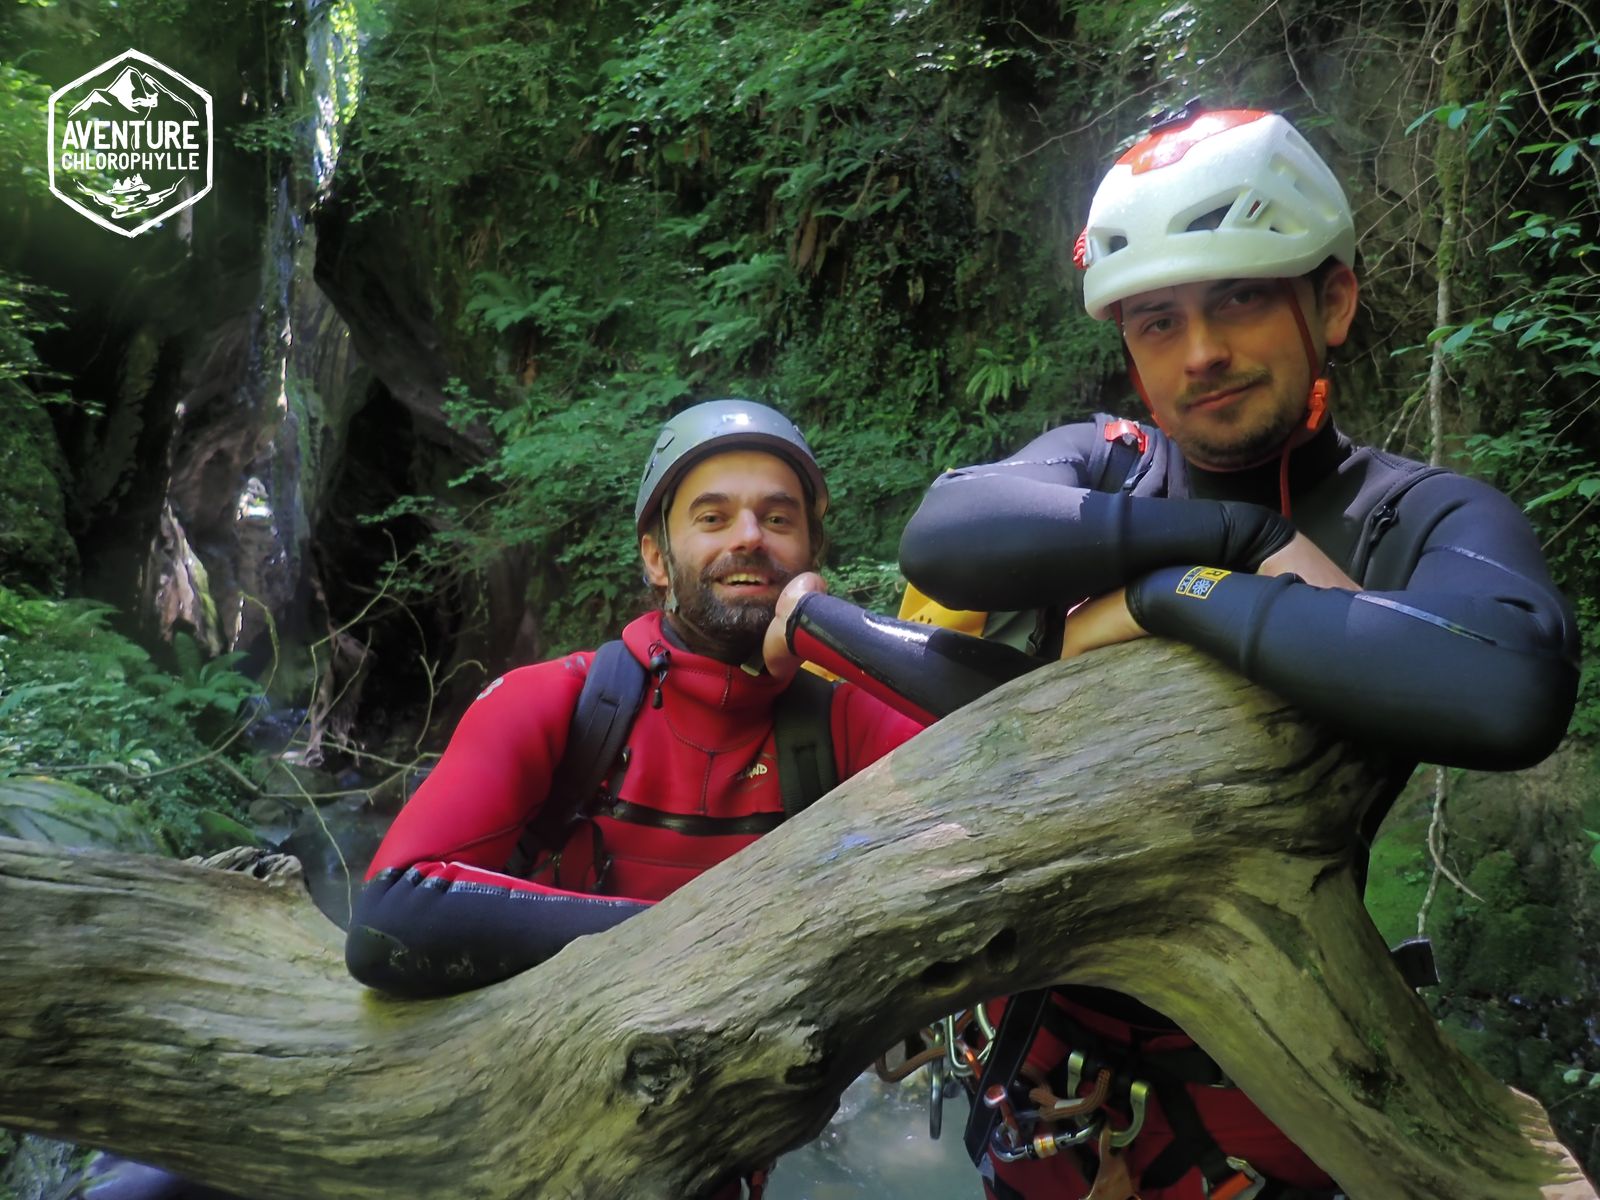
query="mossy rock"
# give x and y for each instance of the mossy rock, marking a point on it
(35, 549)
(1397, 877)
(38, 809)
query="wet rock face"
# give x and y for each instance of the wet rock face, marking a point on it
(35, 550)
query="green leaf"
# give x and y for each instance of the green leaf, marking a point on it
(1532, 331)
(1460, 338)
(1561, 493)
(1456, 118)
(1423, 119)
(1563, 161)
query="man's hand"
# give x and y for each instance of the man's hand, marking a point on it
(1301, 557)
(782, 663)
(1103, 621)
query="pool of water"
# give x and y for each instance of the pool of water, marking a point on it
(878, 1145)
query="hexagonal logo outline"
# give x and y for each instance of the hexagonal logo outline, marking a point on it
(106, 68)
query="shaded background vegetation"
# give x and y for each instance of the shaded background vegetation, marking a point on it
(282, 483)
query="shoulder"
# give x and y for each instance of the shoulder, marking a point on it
(522, 692)
(1441, 492)
(1420, 490)
(1075, 442)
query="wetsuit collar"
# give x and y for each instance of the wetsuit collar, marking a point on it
(724, 693)
(1309, 464)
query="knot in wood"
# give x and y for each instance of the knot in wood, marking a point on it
(654, 1069)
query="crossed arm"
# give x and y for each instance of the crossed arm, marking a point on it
(1472, 662)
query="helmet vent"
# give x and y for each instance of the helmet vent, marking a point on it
(1208, 220)
(1117, 242)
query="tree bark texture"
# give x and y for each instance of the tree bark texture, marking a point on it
(1138, 819)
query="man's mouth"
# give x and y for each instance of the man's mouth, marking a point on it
(1219, 398)
(746, 580)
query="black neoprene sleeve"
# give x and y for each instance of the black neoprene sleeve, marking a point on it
(994, 538)
(1459, 679)
(921, 670)
(416, 935)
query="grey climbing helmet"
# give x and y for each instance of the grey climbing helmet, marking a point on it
(716, 426)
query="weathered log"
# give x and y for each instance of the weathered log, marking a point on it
(1137, 819)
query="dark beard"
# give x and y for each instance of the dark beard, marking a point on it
(728, 632)
(1255, 448)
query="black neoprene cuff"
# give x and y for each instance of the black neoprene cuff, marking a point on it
(415, 936)
(1007, 544)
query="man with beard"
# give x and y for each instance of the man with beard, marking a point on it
(1406, 607)
(729, 510)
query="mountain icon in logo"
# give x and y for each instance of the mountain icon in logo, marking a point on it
(136, 91)
(130, 143)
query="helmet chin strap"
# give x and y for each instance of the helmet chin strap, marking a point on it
(1316, 414)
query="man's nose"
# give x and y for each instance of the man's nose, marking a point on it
(748, 531)
(1205, 350)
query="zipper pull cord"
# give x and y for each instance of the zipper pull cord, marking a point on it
(660, 661)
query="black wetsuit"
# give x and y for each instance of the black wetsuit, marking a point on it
(1458, 650)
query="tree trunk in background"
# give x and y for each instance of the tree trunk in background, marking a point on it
(1450, 161)
(1195, 851)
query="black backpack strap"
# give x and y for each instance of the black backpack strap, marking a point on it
(599, 729)
(802, 721)
(1018, 1025)
(1121, 455)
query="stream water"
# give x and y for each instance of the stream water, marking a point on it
(878, 1145)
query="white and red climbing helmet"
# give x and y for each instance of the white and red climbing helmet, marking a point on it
(1233, 194)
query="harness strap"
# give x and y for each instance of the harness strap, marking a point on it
(1018, 1024)
(597, 736)
(688, 824)
(1191, 1145)
(1187, 1064)
(599, 727)
(802, 724)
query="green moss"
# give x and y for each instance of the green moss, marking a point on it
(35, 550)
(1397, 880)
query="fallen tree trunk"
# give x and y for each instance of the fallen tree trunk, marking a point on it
(1138, 819)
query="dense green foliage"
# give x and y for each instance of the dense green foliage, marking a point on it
(863, 213)
(708, 204)
(80, 701)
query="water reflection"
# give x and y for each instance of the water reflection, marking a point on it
(877, 1145)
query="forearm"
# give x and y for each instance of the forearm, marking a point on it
(1436, 676)
(922, 671)
(440, 928)
(996, 542)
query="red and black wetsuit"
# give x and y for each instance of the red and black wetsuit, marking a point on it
(1458, 650)
(438, 914)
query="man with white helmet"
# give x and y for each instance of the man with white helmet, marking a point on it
(1402, 605)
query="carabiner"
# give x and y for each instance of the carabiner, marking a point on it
(1138, 1093)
